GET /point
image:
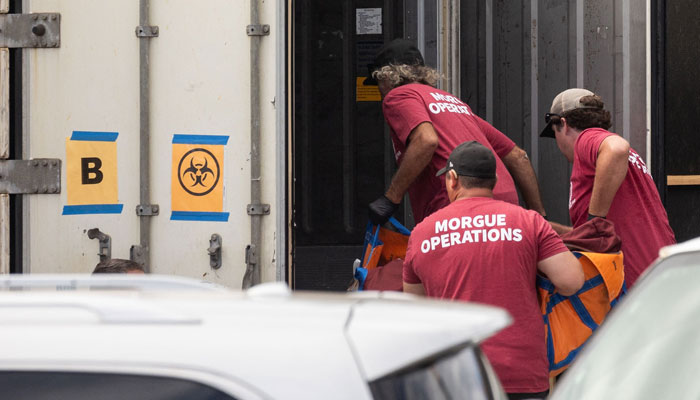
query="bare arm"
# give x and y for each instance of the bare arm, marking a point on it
(559, 228)
(610, 170)
(414, 288)
(422, 143)
(519, 166)
(564, 271)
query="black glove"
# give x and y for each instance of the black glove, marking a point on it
(381, 209)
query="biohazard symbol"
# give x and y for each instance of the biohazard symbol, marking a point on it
(201, 172)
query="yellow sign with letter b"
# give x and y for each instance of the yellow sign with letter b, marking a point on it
(91, 174)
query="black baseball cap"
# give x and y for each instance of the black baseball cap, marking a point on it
(398, 51)
(471, 159)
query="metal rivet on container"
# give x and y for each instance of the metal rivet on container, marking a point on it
(35, 163)
(52, 189)
(44, 163)
(39, 30)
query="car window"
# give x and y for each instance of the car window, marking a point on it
(42, 385)
(649, 347)
(458, 375)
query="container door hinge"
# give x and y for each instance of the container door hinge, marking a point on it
(38, 176)
(214, 251)
(147, 210)
(258, 30)
(251, 256)
(30, 30)
(137, 254)
(251, 262)
(105, 243)
(258, 209)
(146, 31)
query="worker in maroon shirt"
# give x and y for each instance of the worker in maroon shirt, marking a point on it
(426, 125)
(608, 179)
(489, 251)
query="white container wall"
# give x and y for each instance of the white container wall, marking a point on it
(199, 85)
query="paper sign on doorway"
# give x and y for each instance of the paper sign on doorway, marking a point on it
(368, 21)
(366, 92)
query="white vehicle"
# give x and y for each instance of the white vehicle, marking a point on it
(125, 337)
(649, 347)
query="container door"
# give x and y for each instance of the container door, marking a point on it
(82, 106)
(675, 106)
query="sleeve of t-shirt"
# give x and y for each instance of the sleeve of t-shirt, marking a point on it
(501, 143)
(549, 243)
(404, 110)
(409, 273)
(588, 144)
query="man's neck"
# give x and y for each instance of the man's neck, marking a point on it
(464, 193)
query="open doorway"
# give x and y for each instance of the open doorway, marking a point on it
(342, 157)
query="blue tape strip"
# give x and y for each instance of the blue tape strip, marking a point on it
(200, 139)
(199, 216)
(94, 136)
(93, 209)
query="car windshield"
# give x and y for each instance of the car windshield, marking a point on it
(650, 346)
(462, 375)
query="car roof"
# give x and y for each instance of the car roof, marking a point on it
(261, 336)
(685, 247)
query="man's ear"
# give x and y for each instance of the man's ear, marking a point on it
(564, 123)
(453, 182)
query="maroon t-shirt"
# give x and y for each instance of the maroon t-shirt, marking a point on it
(484, 250)
(407, 106)
(639, 217)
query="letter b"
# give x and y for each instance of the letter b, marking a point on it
(91, 166)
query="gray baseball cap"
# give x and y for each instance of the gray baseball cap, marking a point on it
(565, 101)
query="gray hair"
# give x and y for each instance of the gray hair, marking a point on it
(403, 74)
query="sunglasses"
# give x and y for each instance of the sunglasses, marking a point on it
(548, 117)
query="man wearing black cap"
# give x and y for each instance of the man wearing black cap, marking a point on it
(426, 124)
(608, 179)
(488, 251)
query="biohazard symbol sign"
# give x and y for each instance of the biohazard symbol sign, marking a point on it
(197, 183)
(198, 172)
